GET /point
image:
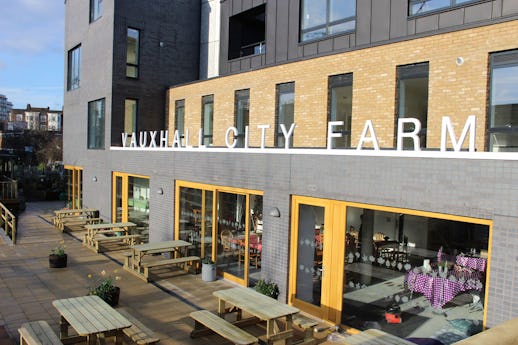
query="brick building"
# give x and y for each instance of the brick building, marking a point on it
(349, 152)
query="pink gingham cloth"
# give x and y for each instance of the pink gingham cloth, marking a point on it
(437, 290)
(478, 264)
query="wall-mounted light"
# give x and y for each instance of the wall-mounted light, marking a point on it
(459, 61)
(94, 178)
(274, 212)
(160, 191)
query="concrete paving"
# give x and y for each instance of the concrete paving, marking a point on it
(28, 286)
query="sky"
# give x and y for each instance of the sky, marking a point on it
(31, 52)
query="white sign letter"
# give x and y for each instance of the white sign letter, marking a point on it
(287, 135)
(142, 141)
(263, 129)
(331, 134)
(164, 138)
(368, 127)
(124, 139)
(176, 139)
(234, 135)
(133, 142)
(153, 138)
(246, 137)
(457, 145)
(413, 135)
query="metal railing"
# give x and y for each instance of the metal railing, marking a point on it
(8, 222)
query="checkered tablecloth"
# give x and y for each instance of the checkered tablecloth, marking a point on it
(437, 290)
(478, 264)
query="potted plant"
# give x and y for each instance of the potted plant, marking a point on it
(267, 288)
(208, 269)
(105, 287)
(57, 256)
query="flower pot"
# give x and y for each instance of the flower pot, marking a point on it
(57, 261)
(208, 272)
(113, 297)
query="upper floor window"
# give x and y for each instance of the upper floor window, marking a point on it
(207, 118)
(247, 33)
(321, 18)
(132, 53)
(412, 100)
(503, 112)
(73, 69)
(96, 9)
(241, 114)
(423, 6)
(179, 116)
(130, 117)
(340, 107)
(285, 111)
(96, 124)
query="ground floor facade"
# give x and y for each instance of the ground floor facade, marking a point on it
(345, 236)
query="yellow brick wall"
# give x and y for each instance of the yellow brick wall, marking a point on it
(455, 91)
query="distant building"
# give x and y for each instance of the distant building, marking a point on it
(32, 118)
(5, 108)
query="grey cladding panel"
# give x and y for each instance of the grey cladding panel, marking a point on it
(363, 22)
(245, 64)
(282, 21)
(509, 7)
(271, 31)
(293, 30)
(236, 6)
(426, 24)
(310, 49)
(342, 42)
(325, 46)
(380, 27)
(452, 18)
(398, 18)
(478, 12)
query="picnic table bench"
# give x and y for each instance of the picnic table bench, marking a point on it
(120, 232)
(38, 333)
(138, 332)
(204, 318)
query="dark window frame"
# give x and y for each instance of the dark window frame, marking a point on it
(327, 25)
(241, 95)
(247, 33)
(179, 104)
(96, 10)
(136, 65)
(339, 80)
(208, 139)
(98, 126)
(405, 72)
(74, 68)
(453, 4)
(137, 106)
(282, 88)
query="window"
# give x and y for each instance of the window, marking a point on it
(340, 107)
(285, 111)
(96, 10)
(503, 112)
(96, 124)
(241, 115)
(130, 117)
(413, 99)
(74, 65)
(321, 18)
(207, 118)
(423, 6)
(179, 117)
(132, 53)
(247, 33)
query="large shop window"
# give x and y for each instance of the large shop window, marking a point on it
(321, 18)
(74, 187)
(241, 117)
(132, 53)
(422, 6)
(399, 270)
(340, 107)
(234, 239)
(96, 124)
(207, 119)
(131, 202)
(74, 68)
(285, 112)
(503, 114)
(412, 101)
(247, 33)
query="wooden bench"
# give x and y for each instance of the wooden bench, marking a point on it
(77, 220)
(100, 238)
(222, 327)
(139, 333)
(307, 325)
(166, 262)
(38, 333)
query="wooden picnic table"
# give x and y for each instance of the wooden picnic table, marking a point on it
(86, 215)
(263, 307)
(90, 317)
(176, 250)
(96, 233)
